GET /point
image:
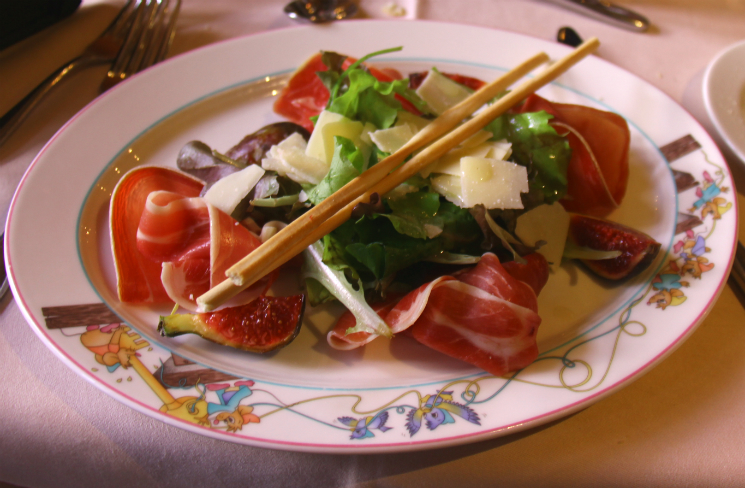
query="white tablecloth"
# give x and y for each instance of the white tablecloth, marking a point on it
(681, 424)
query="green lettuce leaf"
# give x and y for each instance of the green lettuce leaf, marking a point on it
(538, 147)
(358, 95)
(369, 100)
(337, 284)
(378, 246)
(347, 163)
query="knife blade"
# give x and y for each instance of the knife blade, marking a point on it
(607, 12)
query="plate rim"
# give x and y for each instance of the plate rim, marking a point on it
(712, 70)
(424, 444)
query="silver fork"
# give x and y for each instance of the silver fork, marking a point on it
(102, 50)
(148, 40)
(141, 27)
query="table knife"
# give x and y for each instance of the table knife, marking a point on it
(607, 12)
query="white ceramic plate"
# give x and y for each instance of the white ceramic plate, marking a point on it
(724, 96)
(595, 337)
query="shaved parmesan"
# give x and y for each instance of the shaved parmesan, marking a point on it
(290, 158)
(499, 149)
(392, 139)
(492, 182)
(417, 123)
(440, 92)
(547, 223)
(227, 192)
(450, 162)
(449, 187)
(329, 125)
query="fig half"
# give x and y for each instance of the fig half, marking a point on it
(637, 249)
(262, 325)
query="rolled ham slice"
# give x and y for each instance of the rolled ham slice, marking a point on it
(484, 316)
(138, 278)
(194, 242)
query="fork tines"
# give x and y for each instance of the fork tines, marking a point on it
(148, 40)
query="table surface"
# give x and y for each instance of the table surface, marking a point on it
(58, 430)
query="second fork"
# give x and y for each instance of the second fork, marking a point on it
(148, 40)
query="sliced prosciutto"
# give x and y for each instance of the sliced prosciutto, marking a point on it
(138, 278)
(474, 326)
(483, 316)
(533, 272)
(193, 241)
(599, 168)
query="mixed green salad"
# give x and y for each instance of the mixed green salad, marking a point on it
(429, 223)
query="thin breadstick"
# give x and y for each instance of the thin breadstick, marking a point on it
(252, 263)
(337, 211)
(261, 260)
(437, 149)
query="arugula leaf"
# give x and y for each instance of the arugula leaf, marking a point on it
(369, 100)
(358, 95)
(371, 256)
(347, 163)
(333, 62)
(374, 248)
(333, 250)
(461, 232)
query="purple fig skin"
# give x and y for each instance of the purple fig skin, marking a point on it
(638, 250)
(253, 147)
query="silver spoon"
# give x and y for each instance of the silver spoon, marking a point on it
(319, 11)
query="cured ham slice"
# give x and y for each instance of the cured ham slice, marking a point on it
(412, 306)
(305, 95)
(138, 278)
(534, 272)
(194, 242)
(598, 172)
(172, 226)
(474, 326)
(483, 316)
